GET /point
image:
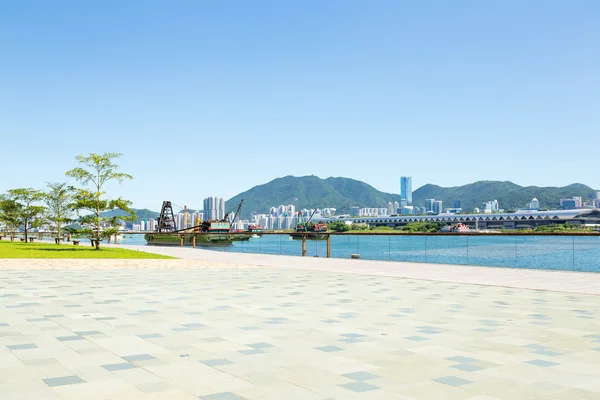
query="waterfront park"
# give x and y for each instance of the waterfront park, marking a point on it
(81, 319)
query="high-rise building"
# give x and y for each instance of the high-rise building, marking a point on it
(396, 207)
(535, 204)
(429, 205)
(214, 208)
(391, 208)
(490, 207)
(598, 195)
(437, 207)
(406, 189)
(578, 202)
(568, 204)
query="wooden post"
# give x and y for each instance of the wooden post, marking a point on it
(328, 246)
(303, 245)
(181, 241)
(194, 241)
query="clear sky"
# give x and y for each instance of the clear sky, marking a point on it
(214, 97)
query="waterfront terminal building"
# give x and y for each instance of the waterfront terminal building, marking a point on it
(523, 219)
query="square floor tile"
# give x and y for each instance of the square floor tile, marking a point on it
(216, 362)
(69, 338)
(139, 357)
(63, 380)
(118, 367)
(25, 346)
(88, 333)
(328, 349)
(467, 367)
(461, 359)
(222, 396)
(260, 345)
(452, 381)
(150, 336)
(360, 376)
(415, 338)
(359, 386)
(251, 352)
(541, 363)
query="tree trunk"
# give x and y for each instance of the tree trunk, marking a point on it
(25, 230)
(58, 234)
(98, 230)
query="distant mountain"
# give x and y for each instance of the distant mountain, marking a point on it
(510, 196)
(342, 193)
(140, 213)
(310, 192)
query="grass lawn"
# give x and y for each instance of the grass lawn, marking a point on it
(10, 249)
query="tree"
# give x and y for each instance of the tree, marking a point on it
(20, 208)
(338, 226)
(100, 169)
(60, 201)
(9, 215)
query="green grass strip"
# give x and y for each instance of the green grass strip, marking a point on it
(10, 249)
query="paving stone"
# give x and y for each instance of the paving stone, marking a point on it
(216, 362)
(359, 387)
(24, 346)
(541, 363)
(360, 376)
(452, 381)
(118, 367)
(139, 357)
(63, 381)
(328, 349)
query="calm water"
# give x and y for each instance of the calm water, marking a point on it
(541, 252)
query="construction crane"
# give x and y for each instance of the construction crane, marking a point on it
(235, 214)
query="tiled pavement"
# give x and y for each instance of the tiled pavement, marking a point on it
(280, 333)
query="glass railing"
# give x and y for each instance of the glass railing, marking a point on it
(572, 253)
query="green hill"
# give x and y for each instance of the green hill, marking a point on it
(510, 196)
(342, 193)
(140, 213)
(310, 192)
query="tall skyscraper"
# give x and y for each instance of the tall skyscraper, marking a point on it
(406, 189)
(437, 207)
(429, 205)
(214, 208)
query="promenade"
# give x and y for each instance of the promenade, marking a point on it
(226, 326)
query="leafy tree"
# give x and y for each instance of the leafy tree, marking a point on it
(60, 201)
(97, 170)
(359, 227)
(338, 226)
(9, 216)
(19, 207)
(423, 226)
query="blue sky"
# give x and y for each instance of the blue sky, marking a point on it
(212, 98)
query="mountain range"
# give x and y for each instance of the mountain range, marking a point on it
(342, 193)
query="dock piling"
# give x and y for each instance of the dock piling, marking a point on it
(303, 245)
